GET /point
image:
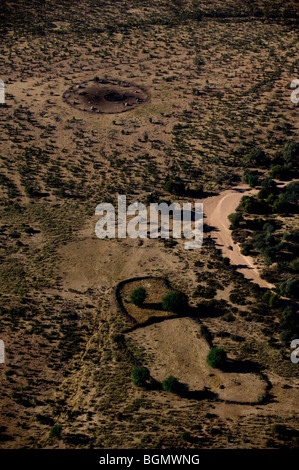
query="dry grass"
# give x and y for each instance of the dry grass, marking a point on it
(216, 85)
(155, 290)
(177, 348)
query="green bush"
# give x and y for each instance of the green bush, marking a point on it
(55, 431)
(267, 227)
(140, 375)
(250, 178)
(186, 436)
(279, 172)
(290, 288)
(251, 205)
(170, 384)
(279, 207)
(235, 219)
(253, 180)
(138, 296)
(274, 300)
(295, 265)
(289, 326)
(290, 151)
(291, 193)
(205, 291)
(226, 261)
(175, 302)
(175, 186)
(271, 298)
(279, 429)
(256, 158)
(245, 250)
(217, 358)
(268, 185)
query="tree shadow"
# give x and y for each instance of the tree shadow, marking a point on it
(183, 391)
(209, 228)
(197, 394)
(38, 194)
(153, 306)
(207, 309)
(195, 194)
(241, 266)
(240, 190)
(241, 367)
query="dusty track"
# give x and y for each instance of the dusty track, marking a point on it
(216, 211)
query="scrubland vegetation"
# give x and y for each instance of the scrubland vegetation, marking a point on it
(203, 360)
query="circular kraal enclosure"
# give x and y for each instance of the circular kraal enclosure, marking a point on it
(106, 96)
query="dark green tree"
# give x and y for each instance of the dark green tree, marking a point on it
(255, 158)
(170, 384)
(140, 375)
(251, 178)
(279, 172)
(138, 296)
(290, 288)
(290, 151)
(217, 358)
(175, 302)
(291, 193)
(235, 219)
(175, 186)
(55, 431)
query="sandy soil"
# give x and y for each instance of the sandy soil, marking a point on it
(155, 290)
(177, 348)
(102, 263)
(216, 211)
(105, 96)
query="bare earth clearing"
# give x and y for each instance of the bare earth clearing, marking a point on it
(155, 290)
(105, 96)
(177, 348)
(211, 89)
(216, 210)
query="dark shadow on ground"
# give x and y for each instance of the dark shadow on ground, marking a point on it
(184, 392)
(242, 367)
(209, 228)
(207, 309)
(153, 306)
(241, 266)
(198, 394)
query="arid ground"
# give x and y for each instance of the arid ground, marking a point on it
(213, 85)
